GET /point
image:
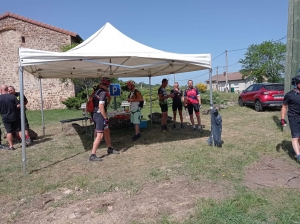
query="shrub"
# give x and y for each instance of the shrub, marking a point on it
(201, 87)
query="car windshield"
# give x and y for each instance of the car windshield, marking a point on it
(279, 87)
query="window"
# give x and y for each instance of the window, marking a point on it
(23, 39)
(250, 88)
(279, 87)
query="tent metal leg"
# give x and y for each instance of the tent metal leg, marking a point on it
(42, 106)
(150, 97)
(211, 105)
(22, 118)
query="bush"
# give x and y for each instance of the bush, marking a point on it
(205, 98)
(74, 102)
(201, 87)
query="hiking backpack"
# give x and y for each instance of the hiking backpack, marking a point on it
(141, 104)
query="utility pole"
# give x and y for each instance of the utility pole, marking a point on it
(217, 79)
(293, 44)
(292, 65)
(174, 77)
(227, 88)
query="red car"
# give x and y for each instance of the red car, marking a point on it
(262, 95)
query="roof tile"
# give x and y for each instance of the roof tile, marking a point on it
(9, 14)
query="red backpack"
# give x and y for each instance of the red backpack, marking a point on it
(90, 104)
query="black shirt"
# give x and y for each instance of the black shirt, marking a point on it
(292, 99)
(162, 91)
(17, 95)
(100, 95)
(177, 95)
(8, 107)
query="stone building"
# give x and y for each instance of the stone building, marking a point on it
(17, 31)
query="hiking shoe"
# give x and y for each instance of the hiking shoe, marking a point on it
(166, 128)
(93, 157)
(112, 151)
(136, 137)
(182, 126)
(200, 129)
(28, 141)
(3, 146)
(174, 126)
(194, 128)
(11, 148)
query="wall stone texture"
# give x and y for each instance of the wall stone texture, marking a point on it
(12, 31)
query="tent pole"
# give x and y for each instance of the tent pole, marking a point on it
(150, 96)
(211, 106)
(42, 106)
(22, 118)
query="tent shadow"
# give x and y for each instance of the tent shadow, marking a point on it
(39, 141)
(287, 147)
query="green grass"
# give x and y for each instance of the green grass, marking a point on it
(59, 162)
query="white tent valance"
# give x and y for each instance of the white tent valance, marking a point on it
(109, 53)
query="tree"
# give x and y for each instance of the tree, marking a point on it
(264, 62)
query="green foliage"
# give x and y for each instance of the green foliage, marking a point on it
(67, 47)
(74, 102)
(264, 62)
(205, 98)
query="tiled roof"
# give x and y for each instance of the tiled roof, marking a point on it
(9, 14)
(230, 77)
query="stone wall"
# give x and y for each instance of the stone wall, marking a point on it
(13, 32)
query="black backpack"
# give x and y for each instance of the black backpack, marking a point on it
(141, 104)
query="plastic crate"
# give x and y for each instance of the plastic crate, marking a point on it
(143, 124)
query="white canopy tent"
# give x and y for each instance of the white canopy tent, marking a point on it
(107, 53)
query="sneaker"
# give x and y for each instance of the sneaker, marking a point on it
(163, 129)
(112, 151)
(136, 137)
(3, 146)
(298, 159)
(11, 148)
(28, 141)
(194, 128)
(166, 128)
(182, 126)
(174, 126)
(93, 157)
(200, 129)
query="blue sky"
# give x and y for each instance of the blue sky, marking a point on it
(179, 26)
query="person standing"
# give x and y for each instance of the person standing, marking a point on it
(163, 103)
(11, 90)
(136, 101)
(177, 104)
(10, 117)
(291, 102)
(192, 101)
(100, 119)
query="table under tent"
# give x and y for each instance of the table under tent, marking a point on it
(107, 53)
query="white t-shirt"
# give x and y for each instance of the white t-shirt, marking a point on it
(133, 105)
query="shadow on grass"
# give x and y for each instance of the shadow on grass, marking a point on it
(287, 147)
(277, 122)
(54, 163)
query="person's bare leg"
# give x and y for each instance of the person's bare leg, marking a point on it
(9, 138)
(97, 142)
(198, 119)
(192, 119)
(137, 128)
(180, 115)
(296, 147)
(174, 116)
(107, 137)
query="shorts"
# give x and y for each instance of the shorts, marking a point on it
(194, 107)
(12, 126)
(295, 127)
(163, 107)
(99, 122)
(135, 116)
(177, 105)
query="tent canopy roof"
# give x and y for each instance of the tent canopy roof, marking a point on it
(109, 53)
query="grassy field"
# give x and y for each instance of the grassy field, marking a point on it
(172, 177)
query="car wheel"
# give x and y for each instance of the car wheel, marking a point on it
(241, 103)
(258, 106)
